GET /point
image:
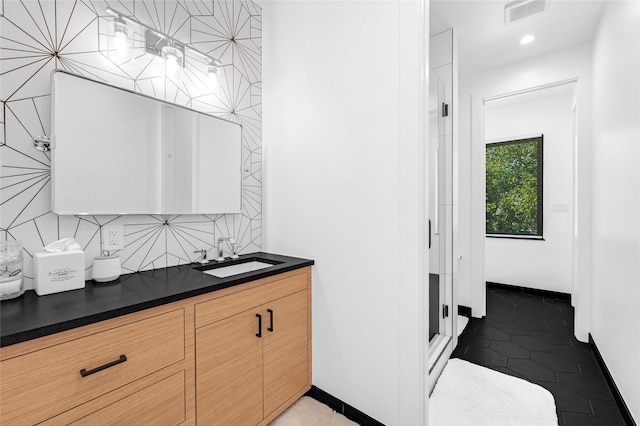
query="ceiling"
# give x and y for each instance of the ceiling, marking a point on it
(484, 41)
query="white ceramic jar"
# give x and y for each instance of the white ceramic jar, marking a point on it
(105, 268)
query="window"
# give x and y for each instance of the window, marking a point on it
(514, 188)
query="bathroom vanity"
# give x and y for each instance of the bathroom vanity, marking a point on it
(166, 346)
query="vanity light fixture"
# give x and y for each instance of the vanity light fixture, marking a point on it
(162, 45)
(527, 39)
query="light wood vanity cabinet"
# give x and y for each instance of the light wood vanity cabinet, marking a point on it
(253, 352)
(54, 374)
(193, 361)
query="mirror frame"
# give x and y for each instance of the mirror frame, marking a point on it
(156, 206)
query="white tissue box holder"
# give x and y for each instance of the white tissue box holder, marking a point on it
(59, 271)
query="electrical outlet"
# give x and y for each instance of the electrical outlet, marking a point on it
(113, 237)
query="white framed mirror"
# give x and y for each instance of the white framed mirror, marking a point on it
(119, 152)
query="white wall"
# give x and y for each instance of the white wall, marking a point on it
(25, 88)
(343, 184)
(566, 64)
(544, 265)
(616, 197)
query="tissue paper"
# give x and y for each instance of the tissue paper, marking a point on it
(59, 268)
(65, 244)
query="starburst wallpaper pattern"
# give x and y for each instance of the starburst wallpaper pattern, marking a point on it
(38, 36)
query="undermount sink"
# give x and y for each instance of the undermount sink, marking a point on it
(237, 268)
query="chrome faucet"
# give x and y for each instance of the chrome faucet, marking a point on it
(221, 240)
(234, 248)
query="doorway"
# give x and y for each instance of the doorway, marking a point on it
(538, 257)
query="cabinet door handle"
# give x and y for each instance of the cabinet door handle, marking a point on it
(84, 372)
(270, 320)
(259, 333)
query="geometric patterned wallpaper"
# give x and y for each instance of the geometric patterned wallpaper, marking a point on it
(38, 36)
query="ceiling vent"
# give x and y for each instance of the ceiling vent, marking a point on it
(520, 9)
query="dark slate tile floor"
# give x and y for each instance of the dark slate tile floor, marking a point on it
(531, 336)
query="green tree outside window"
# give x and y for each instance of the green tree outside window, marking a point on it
(514, 187)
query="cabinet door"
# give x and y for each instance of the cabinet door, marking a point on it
(285, 349)
(229, 371)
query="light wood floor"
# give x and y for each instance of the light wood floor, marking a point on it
(309, 412)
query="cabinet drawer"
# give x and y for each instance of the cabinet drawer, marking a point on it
(45, 382)
(217, 309)
(161, 404)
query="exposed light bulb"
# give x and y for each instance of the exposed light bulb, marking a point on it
(173, 62)
(121, 42)
(527, 39)
(172, 67)
(122, 46)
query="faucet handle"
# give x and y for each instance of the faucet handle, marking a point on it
(203, 260)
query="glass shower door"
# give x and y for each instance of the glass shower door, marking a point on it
(440, 235)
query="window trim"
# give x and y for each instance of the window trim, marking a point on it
(540, 189)
(516, 237)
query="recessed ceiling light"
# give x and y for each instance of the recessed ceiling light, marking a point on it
(527, 39)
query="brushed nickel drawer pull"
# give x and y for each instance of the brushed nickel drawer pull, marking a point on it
(85, 373)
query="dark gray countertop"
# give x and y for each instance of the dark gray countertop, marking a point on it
(31, 316)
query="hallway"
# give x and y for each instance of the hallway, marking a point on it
(530, 336)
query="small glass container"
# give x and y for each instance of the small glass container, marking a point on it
(11, 282)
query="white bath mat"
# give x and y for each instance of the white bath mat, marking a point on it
(468, 394)
(462, 323)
